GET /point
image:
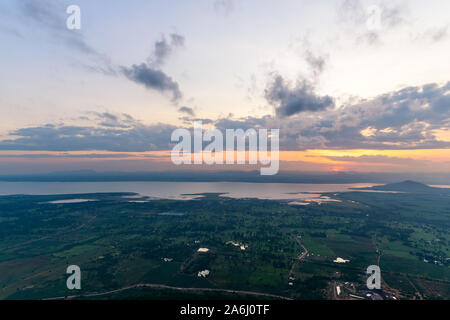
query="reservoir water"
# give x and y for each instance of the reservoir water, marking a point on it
(180, 190)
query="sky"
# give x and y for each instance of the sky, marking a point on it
(353, 85)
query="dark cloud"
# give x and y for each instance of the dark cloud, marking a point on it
(163, 48)
(403, 119)
(107, 131)
(187, 110)
(188, 121)
(52, 16)
(289, 100)
(315, 62)
(107, 119)
(243, 123)
(153, 79)
(399, 120)
(69, 155)
(150, 75)
(138, 138)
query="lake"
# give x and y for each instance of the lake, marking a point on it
(180, 190)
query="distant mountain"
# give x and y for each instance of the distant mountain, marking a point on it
(407, 186)
(201, 176)
(226, 175)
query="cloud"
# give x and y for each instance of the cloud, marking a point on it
(400, 120)
(51, 16)
(369, 23)
(381, 159)
(243, 123)
(189, 121)
(50, 137)
(315, 62)
(187, 110)
(439, 34)
(150, 74)
(153, 79)
(290, 100)
(64, 155)
(434, 35)
(107, 119)
(405, 119)
(163, 48)
(224, 6)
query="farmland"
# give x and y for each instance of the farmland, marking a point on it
(149, 249)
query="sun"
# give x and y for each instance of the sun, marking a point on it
(337, 169)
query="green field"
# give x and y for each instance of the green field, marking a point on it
(120, 244)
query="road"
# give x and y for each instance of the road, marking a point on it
(300, 257)
(161, 286)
